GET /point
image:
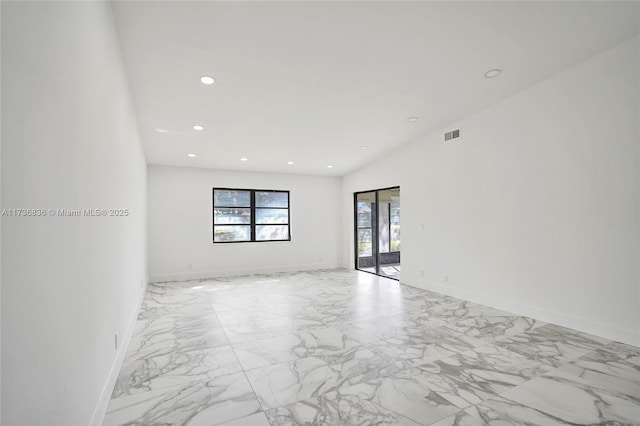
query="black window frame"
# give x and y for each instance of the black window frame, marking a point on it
(253, 208)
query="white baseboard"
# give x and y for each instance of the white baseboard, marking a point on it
(107, 390)
(234, 272)
(587, 325)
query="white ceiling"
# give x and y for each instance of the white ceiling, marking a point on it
(311, 82)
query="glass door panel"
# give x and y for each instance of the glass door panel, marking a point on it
(366, 234)
(388, 233)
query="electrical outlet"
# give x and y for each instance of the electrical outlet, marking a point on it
(189, 266)
(422, 273)
(445, 278)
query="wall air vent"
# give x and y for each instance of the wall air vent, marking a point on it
(454, 134)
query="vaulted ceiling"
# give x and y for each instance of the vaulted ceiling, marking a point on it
(334, 83)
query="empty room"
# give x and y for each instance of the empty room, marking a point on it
(320, 213)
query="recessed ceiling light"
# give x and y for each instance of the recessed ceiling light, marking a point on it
(412, 119)
(244, 159)
(330, 167)
(208, 80)
(363, 147)
(159, 130)
(492, 73)
(191, 155)
(198, 127)
(289, 162)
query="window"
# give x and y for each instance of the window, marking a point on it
(242, 215)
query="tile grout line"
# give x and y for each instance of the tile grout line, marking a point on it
(244, 373)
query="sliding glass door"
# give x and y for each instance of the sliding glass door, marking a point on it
(377, 231)
(366, 231)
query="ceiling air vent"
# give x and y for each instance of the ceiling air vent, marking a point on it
(454, 134)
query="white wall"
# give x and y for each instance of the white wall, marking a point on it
(69, 141)
(180, 224)
(0, 240)
(536, 209)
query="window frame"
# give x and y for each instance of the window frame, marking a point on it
(252, 221)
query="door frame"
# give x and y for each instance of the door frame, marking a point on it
(374, 244)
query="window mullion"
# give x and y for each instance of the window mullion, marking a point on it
(253, 215)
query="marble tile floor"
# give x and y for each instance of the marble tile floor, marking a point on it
(391, 270)
(343, 347)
